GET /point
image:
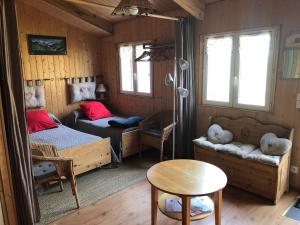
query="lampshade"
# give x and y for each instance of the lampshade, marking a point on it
(169, 80)
(183, 92)
(184, 65)
(101, 88)
(133, 8)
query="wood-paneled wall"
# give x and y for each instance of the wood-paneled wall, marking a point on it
(82, 57)
(136, 30)
(232, 15)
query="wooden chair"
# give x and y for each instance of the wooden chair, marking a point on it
(155, 130)
(63, 167)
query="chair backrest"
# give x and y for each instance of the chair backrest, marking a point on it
(250, 130)
(46, 150)
(162, 119)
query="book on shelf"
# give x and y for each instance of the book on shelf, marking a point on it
(198, 205)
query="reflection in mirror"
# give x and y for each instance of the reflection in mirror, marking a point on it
(291, 66)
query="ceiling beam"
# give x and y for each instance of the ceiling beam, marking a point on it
(82, 14)
(93, 4)
(193, 7)
(160, 16)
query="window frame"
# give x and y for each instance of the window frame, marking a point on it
(134, 66)
(234, 70)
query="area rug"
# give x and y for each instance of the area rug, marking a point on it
(92, 186)
(293, 212)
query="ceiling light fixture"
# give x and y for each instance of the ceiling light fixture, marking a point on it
(133, 8)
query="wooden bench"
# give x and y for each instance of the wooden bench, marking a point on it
(266, 180)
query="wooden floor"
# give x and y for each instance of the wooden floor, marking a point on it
(131, 206)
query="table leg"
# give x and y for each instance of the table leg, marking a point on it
(154, 201)
(218, 207)
(186, 208)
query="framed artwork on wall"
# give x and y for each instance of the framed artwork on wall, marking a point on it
(46, 45)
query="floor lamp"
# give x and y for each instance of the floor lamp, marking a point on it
(182, 92)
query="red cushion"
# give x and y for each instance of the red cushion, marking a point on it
(39, 120)
(95, 110)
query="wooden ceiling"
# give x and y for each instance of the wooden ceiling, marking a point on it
(95, 15)
(105, 12)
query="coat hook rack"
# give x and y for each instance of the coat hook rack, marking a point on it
(157, 52)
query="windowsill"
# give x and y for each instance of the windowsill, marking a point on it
(134, 94)
(237, 109)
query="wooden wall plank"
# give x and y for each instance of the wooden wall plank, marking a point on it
(81, 59)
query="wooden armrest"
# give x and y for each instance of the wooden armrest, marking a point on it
(167, 131)
(169, 127)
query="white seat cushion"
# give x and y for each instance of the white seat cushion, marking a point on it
(237, 148)
(258, 155)
(234, 148)
(43, 169)
(203, 142)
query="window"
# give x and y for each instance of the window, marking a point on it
(239, 69)
(135, 77)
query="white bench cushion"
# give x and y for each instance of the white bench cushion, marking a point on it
(245, 151)
(234, 148)
(237, 148)
(258, 155)
(203, 142)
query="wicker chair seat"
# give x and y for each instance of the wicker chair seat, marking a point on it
(152, 132)
(43, 169)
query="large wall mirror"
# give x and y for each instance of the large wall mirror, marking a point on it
(291, 65)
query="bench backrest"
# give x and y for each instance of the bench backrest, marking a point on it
(250, 130)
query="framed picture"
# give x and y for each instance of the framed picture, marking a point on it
(46, 45)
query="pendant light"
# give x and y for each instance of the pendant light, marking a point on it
(133, 8)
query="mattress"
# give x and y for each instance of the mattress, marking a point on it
(103, 129)
(63, 137)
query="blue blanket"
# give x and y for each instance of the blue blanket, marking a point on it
(132, 121)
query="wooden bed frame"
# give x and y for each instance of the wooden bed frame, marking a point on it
(89, 156)
(130, 143)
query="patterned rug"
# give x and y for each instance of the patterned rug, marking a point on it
(93, 186)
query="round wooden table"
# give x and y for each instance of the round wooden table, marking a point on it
(185, 179)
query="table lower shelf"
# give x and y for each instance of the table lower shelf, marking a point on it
(177, 215)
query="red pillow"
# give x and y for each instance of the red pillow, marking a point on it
(95, 110)
(39, 120)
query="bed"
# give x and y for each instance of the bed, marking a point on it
(87, 151)
(123, 140)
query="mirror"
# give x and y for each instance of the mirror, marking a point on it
(291, 65)
(291, 61)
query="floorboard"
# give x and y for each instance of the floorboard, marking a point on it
(131, 206)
